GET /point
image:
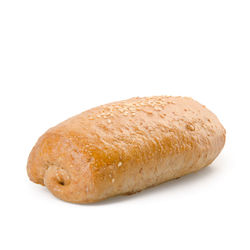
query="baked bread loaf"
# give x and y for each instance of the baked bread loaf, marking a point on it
(125, 147)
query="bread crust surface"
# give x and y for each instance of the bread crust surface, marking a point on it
(124, 147)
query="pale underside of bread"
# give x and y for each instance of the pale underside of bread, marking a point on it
(125, 147)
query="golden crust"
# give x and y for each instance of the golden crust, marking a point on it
(124, 147)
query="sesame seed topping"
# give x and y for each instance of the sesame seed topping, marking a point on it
(109, 121)
(190, 127)
(157, 108)
(119, 164)
(113, 180)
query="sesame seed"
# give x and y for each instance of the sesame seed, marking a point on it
(119, 164)
(113, 180)
(190, 127)
(109, 121)
(157, 108)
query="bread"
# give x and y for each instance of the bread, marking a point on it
(125, 147)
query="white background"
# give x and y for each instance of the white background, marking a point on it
(59, 58)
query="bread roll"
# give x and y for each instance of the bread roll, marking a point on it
(125, 147)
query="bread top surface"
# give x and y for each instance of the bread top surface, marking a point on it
(120, 122)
